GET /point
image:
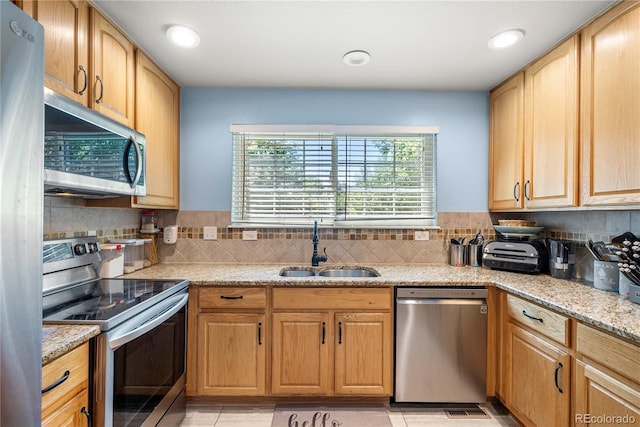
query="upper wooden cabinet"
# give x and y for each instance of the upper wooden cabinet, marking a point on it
(86, 57)
(158, 118)
(533, 145)
(506, 131)
(112, 71)
(66, 57)
(610, 111)
(551, 129)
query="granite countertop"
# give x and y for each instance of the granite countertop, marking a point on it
(60, 339)
(605, 310)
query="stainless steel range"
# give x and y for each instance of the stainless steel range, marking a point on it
(138, 360)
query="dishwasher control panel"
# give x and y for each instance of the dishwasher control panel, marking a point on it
(430, 292)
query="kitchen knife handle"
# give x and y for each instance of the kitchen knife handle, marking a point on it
(64, 377)
(259, 333)
(84, 87)
(516, 190)
(539, 319)
(556, 376)
(88, 415)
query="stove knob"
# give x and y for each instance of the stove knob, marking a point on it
(80, 249)
(93, 247)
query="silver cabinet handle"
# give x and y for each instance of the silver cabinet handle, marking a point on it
(516, 190)
(526, 189)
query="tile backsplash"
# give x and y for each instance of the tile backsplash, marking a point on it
(70, 218)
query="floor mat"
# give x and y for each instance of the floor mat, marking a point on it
(330, 416)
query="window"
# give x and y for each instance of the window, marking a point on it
(358, 176)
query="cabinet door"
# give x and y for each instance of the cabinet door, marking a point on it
(302, 363)
(231, 354)
(551, 128)
(506, 130)
(598, 394)
(66, 50)
(363, 353)
(538, 380)
(610, 129)
(158, 118)
(74, 413)
(113, 71)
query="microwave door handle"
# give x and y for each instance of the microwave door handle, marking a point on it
(133, 181)
(121, 340)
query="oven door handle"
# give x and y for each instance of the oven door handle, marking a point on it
(120, 340)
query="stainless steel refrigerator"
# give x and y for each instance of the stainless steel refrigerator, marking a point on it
(21, 206)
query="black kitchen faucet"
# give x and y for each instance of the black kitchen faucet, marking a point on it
(315, 258)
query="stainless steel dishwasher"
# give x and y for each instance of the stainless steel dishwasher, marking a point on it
(440, 345)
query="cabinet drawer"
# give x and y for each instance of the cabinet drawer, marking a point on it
(609, 351)
(232, 298)
(76, 362)
(544, 321)
(332, 298)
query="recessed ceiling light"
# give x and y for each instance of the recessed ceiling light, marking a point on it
(183, 36)
(356, 58)
(506, 39)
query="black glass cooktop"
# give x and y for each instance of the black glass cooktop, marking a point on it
(107, 302)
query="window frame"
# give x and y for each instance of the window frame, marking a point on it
(339, 135)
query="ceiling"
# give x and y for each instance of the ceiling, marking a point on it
(435, 45)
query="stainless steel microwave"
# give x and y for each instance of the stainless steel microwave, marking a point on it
(89, 155)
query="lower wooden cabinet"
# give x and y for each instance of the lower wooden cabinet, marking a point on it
(534, 363)
(289, 342)
(66, 381)
(538, 379)
(235, 349)
(73, 413)
(301, 351)
(331, 342)
(603, 399)
(227, 342)
(363, 354)
(607, 379)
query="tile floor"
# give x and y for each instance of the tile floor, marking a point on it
(211, 415)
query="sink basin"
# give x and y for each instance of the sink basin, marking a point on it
(297, 272)
(329, 272)
(349, 272)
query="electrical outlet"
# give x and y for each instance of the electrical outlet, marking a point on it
(250, 235)
(92, 233)
(210, 233)
(420, 235)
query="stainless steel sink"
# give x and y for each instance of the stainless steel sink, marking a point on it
(349, 272)
(297, 272)
(329, 272)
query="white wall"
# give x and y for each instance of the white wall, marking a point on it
(206, 113)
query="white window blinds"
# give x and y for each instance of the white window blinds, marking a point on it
(362, 178)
